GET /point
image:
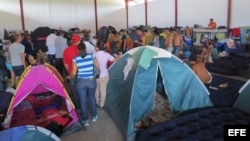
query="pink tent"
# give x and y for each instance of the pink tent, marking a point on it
(36, 80)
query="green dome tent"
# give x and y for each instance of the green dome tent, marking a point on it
(242, 101)
(28, 133)
(132, 85)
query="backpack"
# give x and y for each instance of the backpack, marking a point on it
(103, 33)
(2, 62)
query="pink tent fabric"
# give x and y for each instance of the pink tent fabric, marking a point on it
(38, 79)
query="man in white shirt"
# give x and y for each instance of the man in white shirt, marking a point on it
(92, 38)
(50, 43)
(60, 44)
(89, 46)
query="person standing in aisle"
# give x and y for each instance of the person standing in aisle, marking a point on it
(102, 58)
(61, 45)
(83, 69)
(17, 57)
(68, 55)
(50, 43)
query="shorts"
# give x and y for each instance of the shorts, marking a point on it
(18, 70)
(8, 66)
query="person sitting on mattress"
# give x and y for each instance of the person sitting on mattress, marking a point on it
(52, 118)
(199, 66)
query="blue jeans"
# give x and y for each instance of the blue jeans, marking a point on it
(60, 66)
(74, 96)
(176, 50)
(52, 59)
(86, 89)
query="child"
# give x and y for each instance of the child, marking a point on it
(32, 59)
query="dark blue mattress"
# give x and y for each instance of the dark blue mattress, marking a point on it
(203, 125)
(224, 96)
(231, 65)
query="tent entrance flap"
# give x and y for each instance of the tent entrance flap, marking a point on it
(41, 109)
(160, 111)
(41, 100)
(159, 84)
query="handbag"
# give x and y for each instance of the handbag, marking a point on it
(96, 72)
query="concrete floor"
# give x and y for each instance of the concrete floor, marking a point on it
(104, 129)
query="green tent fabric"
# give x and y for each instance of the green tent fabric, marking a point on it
(220, 36)
(131, 87)
(28, 133)
(242, 101)
(215, 54)
(244, 35)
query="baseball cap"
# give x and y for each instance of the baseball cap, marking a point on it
(75, 38)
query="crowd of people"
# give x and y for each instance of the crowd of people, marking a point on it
(84, 60)
(77, 59)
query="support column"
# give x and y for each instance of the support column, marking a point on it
(146, 12)
(176, 13)
(229, 7)
(126, 4)
(22, 15)
(96, 17)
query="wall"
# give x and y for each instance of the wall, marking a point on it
(240, 13)
(10, 16)
(111, 12)
(81, 13)
(161, 13)
(63, 14)
(136, 15)
(66, 14)
(192, 12)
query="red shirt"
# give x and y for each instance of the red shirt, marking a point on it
(68, 55)
(52, 114)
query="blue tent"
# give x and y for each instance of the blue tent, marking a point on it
(28, 133)
(132, 85)
(223, 45)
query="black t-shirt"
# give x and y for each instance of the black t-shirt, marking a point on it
(124, 37)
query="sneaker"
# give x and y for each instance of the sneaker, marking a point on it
(101, 108)
(79, 111)
(10, 90)
(86, 123)
(94, 119)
